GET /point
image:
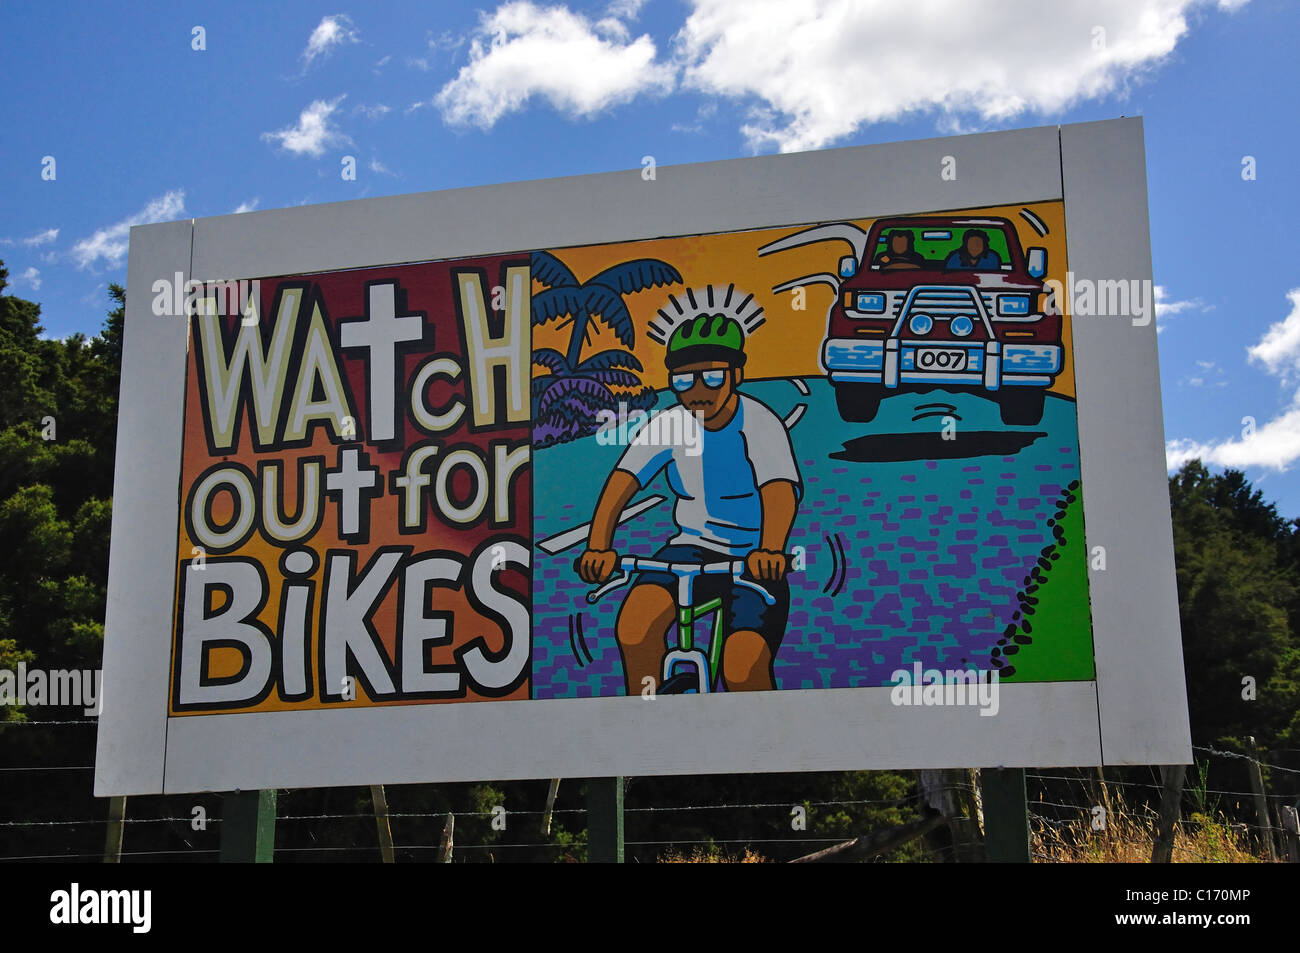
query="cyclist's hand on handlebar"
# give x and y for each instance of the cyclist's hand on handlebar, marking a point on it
(597, 565)
(765, 564)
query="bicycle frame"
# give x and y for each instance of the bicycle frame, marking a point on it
(706, 666)
(686, 616)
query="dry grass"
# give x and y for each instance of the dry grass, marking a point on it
(711, 855)
(1128, 839)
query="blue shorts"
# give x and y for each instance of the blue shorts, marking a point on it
(742, 607)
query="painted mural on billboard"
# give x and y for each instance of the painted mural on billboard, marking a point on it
(786, 459)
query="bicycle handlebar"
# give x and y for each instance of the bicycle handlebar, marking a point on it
(630, 564)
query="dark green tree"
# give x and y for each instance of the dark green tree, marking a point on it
(58, 419)
(1237, 589)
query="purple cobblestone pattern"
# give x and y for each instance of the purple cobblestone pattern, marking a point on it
(937, 550)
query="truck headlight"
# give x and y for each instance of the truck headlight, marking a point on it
(871, 302)
(1013, 304)
(921, 323)
(961, 325)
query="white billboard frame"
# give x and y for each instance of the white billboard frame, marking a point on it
(1134, 712)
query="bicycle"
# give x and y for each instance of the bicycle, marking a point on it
(686, 669)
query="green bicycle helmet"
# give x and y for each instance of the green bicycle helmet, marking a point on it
(707, 337)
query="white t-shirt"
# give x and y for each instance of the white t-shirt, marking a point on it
(716, 474)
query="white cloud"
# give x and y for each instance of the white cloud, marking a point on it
(31, 276)
(1274, 444)
(1209, 375)
(817, 70)
(376, 111)
(624, 9)
(706, 112)
(313, 132)
(249, 206)
(332, 31)
(1279, 349)
(1165, 307)
(378, 167)
(42, 238)
(448, 42)
(110, 244)
(34, 241)
(579, 66)
(94, 296)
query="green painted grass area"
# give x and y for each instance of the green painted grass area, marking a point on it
(1061, 623)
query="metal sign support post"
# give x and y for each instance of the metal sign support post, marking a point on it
(248, 827)
(605, 820)
(1006, 815)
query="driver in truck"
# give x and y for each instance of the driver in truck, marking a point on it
(901, 253)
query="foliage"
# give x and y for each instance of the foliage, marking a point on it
(735, 814)
(1238, 580)
(1197, 786)
(573, 394)
(58, 419)
(10, 657)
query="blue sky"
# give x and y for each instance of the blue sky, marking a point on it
(142, 127)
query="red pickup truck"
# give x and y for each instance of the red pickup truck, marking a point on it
(932, 302)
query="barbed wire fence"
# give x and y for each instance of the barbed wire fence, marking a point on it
(42, 821)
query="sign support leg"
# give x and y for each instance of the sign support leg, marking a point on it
(1006, 815)
(605, 820)
(248, 827)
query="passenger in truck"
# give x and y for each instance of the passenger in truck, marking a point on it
(974, 253)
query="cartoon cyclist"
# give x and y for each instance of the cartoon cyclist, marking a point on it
(737, 488)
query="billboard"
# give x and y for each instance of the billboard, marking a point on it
(819, 479)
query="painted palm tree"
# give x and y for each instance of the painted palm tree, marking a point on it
(568, 399)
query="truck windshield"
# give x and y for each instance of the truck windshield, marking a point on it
(982, 248)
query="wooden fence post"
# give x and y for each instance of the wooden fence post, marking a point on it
(1171, 797)
(1105, 801)
(116, 824)
(448, 835)
(954, 793)
(380, 802)
(1261, 802)
(1291, 832)
(551, 792)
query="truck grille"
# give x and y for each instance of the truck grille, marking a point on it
(943, 304)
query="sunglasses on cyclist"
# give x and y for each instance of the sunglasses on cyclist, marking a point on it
(683, 382)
